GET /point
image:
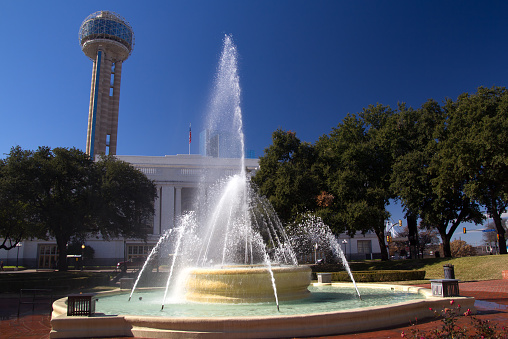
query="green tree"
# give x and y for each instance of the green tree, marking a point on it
(287, 175)
(406, 139)
(356, 161)
(125, 202)
(478, 150)
(70, 196)
(61, 194)
(16, 214)
(424, 182)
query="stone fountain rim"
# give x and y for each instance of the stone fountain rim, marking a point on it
(317, 324)
(249, 269)
(61, 303)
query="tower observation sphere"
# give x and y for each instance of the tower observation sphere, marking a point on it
(107, 39)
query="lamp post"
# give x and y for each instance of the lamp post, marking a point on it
(18, 245)
(82, 257)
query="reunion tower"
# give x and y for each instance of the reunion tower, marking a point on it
(107, 39)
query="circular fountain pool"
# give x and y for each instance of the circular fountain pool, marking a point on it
(332, 309)
(323, 298)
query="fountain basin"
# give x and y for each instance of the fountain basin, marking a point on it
(247, 284)
(274, 326)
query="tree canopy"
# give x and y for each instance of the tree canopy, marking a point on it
(61, 193)
(421, 178)
(288, 175)
(477, 150)
(445, 163)
(358, 162)
(17, 219)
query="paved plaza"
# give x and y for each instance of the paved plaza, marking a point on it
(491, 296)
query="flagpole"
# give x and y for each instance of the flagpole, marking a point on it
(190, 136)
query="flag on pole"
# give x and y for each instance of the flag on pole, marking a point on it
(190, 136)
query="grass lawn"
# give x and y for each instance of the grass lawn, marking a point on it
(486, 267)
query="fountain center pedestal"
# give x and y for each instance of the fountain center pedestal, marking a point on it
(247, 284)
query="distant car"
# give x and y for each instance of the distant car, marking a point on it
(133, 263)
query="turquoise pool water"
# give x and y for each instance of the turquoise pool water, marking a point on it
(325, 298)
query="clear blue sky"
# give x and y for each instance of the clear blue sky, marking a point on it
(303, 65)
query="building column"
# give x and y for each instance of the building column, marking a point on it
(178, 202)
(167, 208)
(157, 212)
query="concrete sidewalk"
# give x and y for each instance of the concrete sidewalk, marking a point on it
(491, 296)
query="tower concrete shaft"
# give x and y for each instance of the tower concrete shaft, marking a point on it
(104, 104)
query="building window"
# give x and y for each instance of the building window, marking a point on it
(112, 81)
(136, 251)
(48, 256)
(364, 246)
(108, 143)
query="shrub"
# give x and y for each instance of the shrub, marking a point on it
(378, 276)
(460, 248)
(450, 329)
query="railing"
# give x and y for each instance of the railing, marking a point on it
(148, 170)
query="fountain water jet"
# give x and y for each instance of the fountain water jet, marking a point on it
(312, 230)
(231, 226)
(153, 252)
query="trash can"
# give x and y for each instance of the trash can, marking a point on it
(449, 272)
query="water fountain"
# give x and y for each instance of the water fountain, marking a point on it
(231, 257)
(232, 248)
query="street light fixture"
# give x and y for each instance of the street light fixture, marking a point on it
(82, 257)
